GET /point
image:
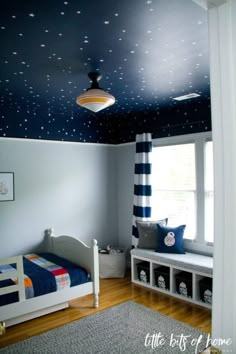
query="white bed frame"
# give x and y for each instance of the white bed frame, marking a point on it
(64, 246)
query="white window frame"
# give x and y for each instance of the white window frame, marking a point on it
(198, 245)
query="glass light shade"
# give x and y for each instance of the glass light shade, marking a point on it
(95, 100)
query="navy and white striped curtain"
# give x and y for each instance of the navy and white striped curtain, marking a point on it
(142, 183)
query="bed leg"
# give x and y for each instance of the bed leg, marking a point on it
(95, 304)
(2, 328)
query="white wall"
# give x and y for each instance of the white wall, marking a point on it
(222, 33)
(67, 186)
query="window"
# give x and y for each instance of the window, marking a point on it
(174, 185)
(209, 196)
(182, 186)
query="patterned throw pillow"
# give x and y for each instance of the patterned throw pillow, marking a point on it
(148, 233)
(170, 239)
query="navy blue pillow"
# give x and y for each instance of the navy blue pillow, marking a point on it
(170, 239)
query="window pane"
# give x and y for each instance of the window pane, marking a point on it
(179, 207)
(209, 217)
(209, 194)
(209, 166)
(174, 167)
(174, 186)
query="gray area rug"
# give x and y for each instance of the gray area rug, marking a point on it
(127, 328)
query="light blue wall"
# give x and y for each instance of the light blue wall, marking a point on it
(68, 186)
(83, 190)
(125, 157)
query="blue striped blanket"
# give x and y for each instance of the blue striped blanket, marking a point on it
(43, 273)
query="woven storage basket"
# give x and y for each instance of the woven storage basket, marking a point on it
(112, 265)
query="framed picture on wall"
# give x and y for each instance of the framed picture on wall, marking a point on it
(7, 192)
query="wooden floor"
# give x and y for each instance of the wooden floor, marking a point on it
(113, 292)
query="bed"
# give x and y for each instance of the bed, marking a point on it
(67, 250)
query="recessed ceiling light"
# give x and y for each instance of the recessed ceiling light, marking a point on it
(186, 97)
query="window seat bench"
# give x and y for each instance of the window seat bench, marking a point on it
(187, 276)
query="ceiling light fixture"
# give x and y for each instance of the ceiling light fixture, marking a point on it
(95, 99)
(186, 97)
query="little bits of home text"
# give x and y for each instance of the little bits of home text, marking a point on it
(181, 341)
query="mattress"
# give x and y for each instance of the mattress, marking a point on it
(44, 273)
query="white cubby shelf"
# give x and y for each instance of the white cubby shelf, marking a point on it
(196, 266)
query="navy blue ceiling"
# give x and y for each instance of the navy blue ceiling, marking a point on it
(148, 52)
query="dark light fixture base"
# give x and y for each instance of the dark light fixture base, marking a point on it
(95, 78)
